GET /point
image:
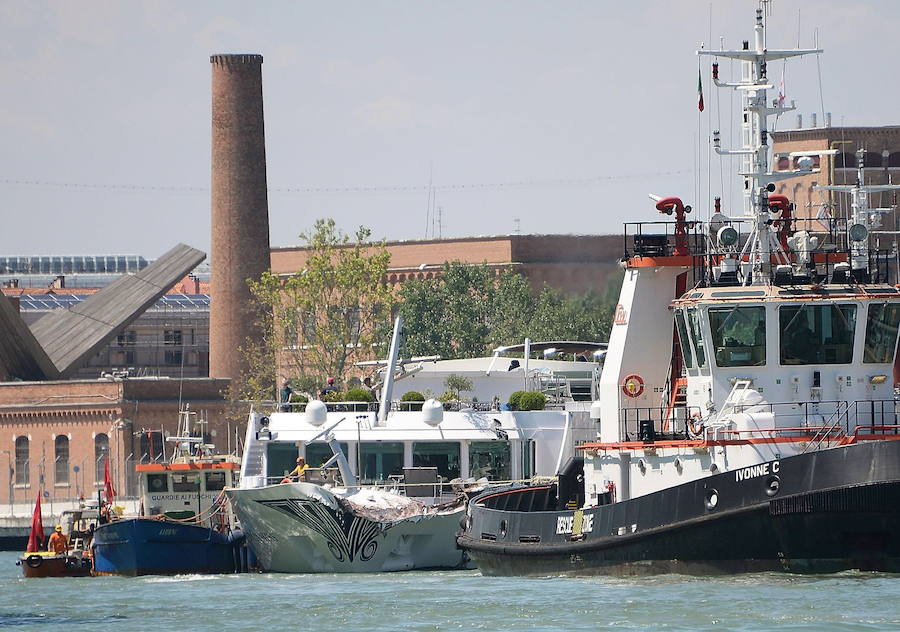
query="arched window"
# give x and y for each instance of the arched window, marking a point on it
(151, 446)
(61, 447)
(101, 454)
(845, 161)
(22, 461)
(872, 159)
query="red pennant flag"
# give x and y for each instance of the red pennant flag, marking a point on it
(700, 90)
(107, 483)
(36, 535)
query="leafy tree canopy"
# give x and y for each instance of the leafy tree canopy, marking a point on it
(468, 310)
(324, 317)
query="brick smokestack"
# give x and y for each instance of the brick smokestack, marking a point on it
(240, 208)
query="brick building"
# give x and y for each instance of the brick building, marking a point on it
(881, 161)
(572, 263)
(57, 435)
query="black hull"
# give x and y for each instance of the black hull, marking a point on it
(830, 511)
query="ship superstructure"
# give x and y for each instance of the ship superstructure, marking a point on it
(747, 394)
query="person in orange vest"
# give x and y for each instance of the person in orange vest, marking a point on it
(57, 542)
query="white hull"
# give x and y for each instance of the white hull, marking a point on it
(302, 528)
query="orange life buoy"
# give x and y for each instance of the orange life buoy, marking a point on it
(633, 385)
(696, 426)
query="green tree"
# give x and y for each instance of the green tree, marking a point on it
(456, 384)
(325, 316)
(468, 311)
(449, 316)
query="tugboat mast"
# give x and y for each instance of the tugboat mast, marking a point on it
(759, 180)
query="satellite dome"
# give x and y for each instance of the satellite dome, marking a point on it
(316, 412)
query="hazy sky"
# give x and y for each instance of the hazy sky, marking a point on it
(561, 114)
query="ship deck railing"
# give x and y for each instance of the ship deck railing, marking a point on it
(696, 246)
(823, 421)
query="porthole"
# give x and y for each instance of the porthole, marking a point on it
(773, 484)
(712, 499)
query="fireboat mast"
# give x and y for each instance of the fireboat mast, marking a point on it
(759, 181)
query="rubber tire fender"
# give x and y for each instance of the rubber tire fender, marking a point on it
(34, 561)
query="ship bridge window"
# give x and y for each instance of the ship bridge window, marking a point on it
(687, 353)
(817, 334)
(444, 455)
(490, 459)
(881, 332)
(697, 336)
(381, 460)
(319, 452)
(738, 335)
(185, 482)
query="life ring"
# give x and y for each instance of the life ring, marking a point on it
(34, 561)
(633, 385)
(286, 479)
(696, 427)
(72, 562)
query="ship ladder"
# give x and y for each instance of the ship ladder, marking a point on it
(677, 401)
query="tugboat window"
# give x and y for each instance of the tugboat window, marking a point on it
(185, 483)
(215, 481)
(697, 336)
(817, 334)
(382, 459)
(686, 353)
(444, 455)
(881, 333)
(739, 335)
(490, 459)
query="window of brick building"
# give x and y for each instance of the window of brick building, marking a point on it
(22, 460)
(61, 448)
(101, 454)
(151, 446)
(173, 338)
(845, 161)
(126, 341)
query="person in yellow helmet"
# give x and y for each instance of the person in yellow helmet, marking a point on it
(57, 543)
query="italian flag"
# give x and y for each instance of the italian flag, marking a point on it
(700, 90)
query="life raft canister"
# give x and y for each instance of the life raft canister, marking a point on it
(633, 385)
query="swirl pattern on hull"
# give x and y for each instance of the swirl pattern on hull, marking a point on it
(349, 537)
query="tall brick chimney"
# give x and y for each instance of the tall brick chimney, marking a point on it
(240, 209)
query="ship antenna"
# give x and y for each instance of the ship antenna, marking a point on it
(759, 180)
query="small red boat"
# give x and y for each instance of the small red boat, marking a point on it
(76, 561)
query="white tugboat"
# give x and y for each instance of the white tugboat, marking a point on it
(389, 486)
(747, 418)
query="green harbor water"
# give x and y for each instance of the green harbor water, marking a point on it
(448, 601)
